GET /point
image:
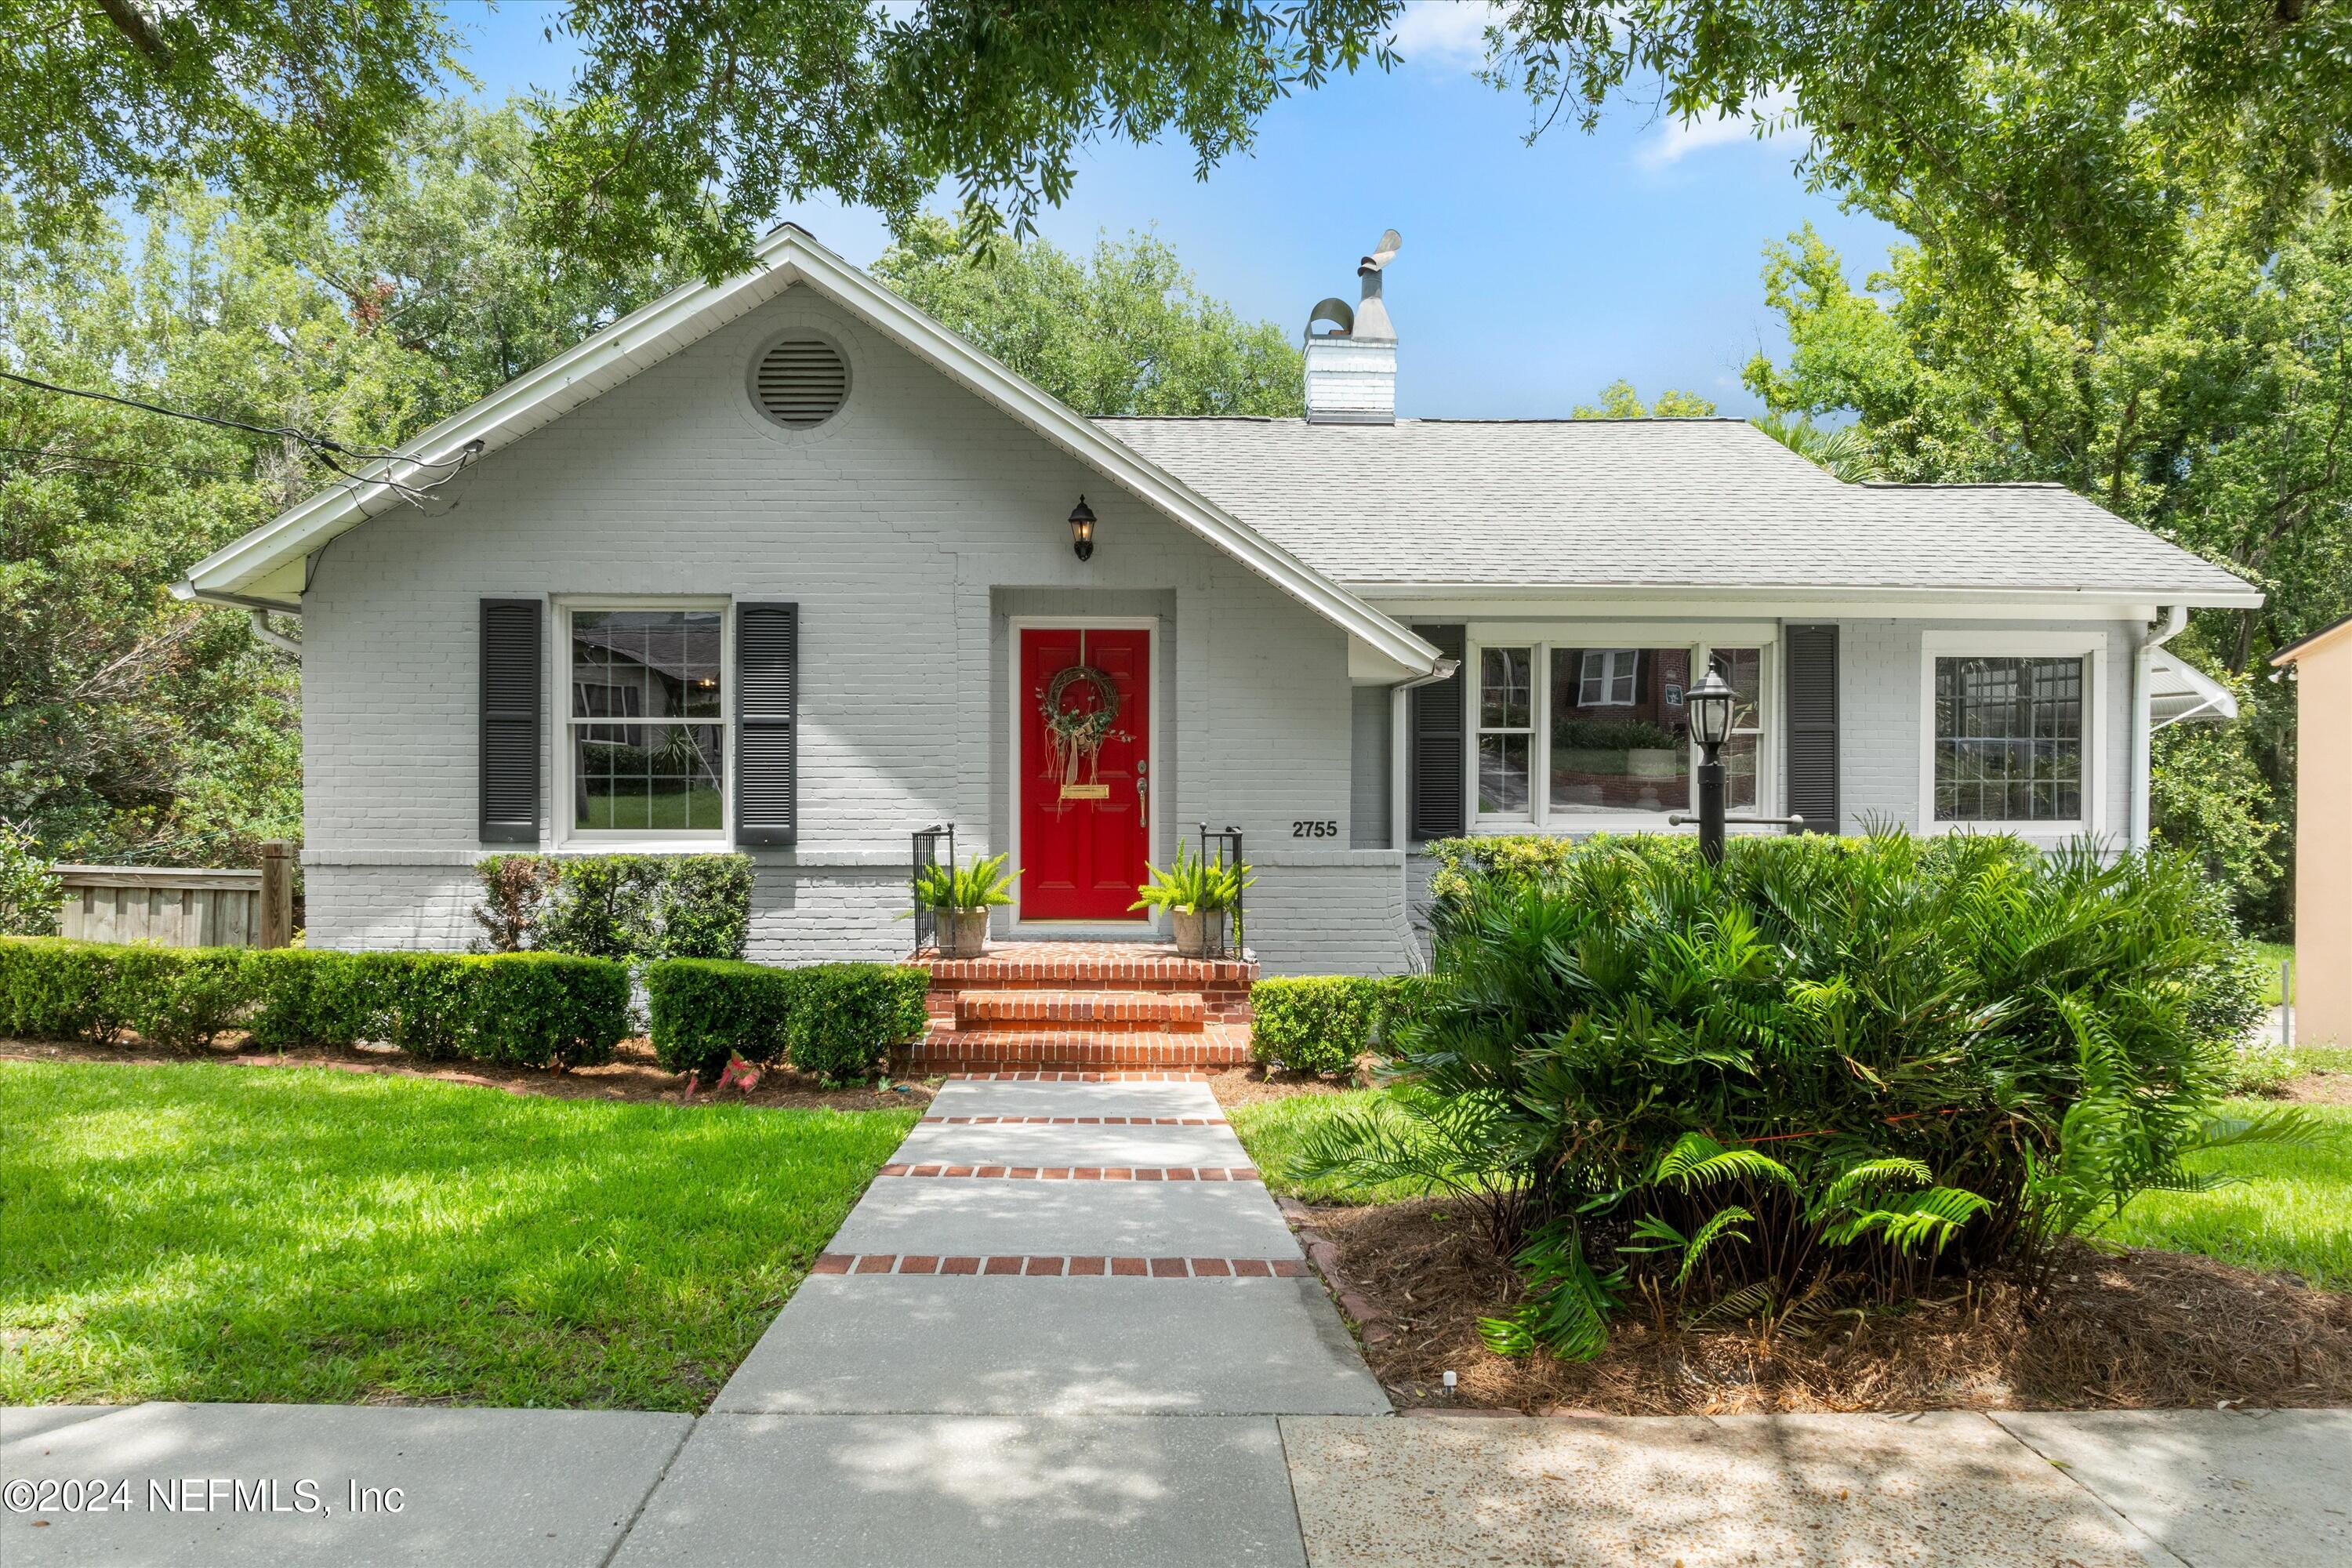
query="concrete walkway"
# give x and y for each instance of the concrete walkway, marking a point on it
(1052, 1336)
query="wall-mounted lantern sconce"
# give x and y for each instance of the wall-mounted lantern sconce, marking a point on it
(1082, 530)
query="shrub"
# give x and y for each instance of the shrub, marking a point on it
(312, 996)
(704, 1008)
(29, 891)
(1827, 1068)
(605, 906)
(1530, 859)
(541, 1009)
(535, 1008)
(844, 1017)
(705, 906)
(624, 907)
(515, 889)
(834, 1021)
(181, 996)
(1323, 1023)
(52, 989)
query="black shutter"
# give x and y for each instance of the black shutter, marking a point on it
(1813, 726)
(767, 714)
(514, 642)
(1436, 782)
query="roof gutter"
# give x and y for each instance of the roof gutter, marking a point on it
(2142, 731)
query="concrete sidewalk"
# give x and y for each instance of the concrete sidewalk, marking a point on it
(1040, 1365)
(480, 1488)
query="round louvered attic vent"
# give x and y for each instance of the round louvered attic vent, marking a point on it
(801, 381)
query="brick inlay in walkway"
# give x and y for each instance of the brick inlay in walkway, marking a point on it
(1031, 1266)
(1082, 1172)
(1076, 1121)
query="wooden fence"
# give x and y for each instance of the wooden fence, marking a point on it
(179, 908)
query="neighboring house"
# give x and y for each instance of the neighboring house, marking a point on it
(2321, 667)
(782, 565)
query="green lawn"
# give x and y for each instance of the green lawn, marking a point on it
(1272, 1131)
(2274, 954)
(217, 1233)
(2291, 1212)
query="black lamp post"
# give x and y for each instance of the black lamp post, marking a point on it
(1082, 530)
(1710, 721)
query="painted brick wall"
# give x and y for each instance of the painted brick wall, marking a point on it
(1879, 683)
(893, 525)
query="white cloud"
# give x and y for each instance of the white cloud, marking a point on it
(1445, 32)
(1678, 139)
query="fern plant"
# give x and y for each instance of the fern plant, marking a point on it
(1824, 1072)
(983, 884)
(1193, 885)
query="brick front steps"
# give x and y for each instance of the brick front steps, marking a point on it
(1045, 1005)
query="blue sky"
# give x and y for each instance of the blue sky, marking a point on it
(1529, 277)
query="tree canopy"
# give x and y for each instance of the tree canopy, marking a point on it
(1620, 401)
(2073, 139)
(1123, 331)
(132, 726)
(2215, 408)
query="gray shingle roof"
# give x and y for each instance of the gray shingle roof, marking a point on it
(1642, 503)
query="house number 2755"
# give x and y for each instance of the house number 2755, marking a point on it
(1323, 827)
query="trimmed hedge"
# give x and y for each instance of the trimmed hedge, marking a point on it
(1323, 1023)
(532, 1008)
(832, 1020)
(628, 907)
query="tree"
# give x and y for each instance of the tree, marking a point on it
(135, 727)
(1620, 401)
(1125, 332)
(285, 103)
(1845, 452)
(2070, 139)
(2215, 408)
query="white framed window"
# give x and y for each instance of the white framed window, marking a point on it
(645, 688)
(2011, 732)
(1507, 731)
(1573, 735)
(1606, 677)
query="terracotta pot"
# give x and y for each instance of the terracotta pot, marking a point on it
(962, 933)
(1200, 935)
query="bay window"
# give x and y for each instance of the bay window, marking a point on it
(645, 732)
(1572, 737)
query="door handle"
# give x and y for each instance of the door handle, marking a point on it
(1143, 794)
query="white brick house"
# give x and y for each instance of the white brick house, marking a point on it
(784, 565)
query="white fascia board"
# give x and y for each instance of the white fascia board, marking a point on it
(1791, 602)
(691, 311)
(536, 398)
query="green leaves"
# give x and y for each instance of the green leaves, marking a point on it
(983, 884)
(1569, 1303)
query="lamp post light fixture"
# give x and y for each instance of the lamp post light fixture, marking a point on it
(1710, 704)
(1082, 530)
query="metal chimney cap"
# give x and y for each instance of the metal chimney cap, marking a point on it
(1382, 254)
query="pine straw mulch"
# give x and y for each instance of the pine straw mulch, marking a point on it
(2140, 1330)
(1249, 1084)
(631, 1075)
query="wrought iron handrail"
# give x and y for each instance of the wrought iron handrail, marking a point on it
(926, 857)
(1229, 853)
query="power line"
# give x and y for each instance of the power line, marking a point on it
(122, 462)
(319, 444)
(324, 449)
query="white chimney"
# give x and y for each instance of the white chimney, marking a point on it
(1351, 369)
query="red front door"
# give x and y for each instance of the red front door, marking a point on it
(1085, 802)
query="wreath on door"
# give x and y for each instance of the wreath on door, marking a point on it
(1076, 735)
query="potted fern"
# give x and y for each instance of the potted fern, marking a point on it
(1198, 897)
(960, 898)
